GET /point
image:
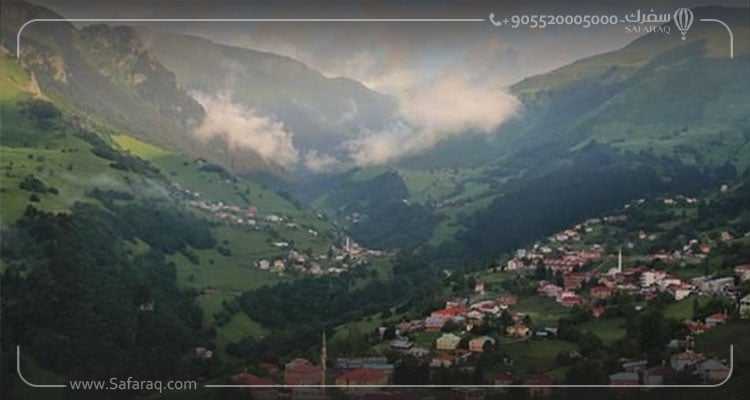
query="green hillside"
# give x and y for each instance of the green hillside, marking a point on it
(52, 164)
(658, 102)
(319, 110)
(107, 78)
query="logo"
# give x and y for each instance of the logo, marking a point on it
(683, 19)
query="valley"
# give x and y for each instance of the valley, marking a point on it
(176, 206)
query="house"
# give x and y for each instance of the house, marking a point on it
(507, 300)
(716, 319)
(409, 326)
(513, 264)
(597, 312)
(680, 361)
(271, 369)
(302, 372)
(743, 272)
(679, 292)
(745, 307)
(202, 352)
(262, 392)
(490, 307)
(448, 341)
(479, 287)
(718, 285)
(635, 366)
(648, 278)
(468, 393)
(549, 290)
(601, 292)
(434, 324)
(418, 352)
(475, 316)
(504, 379)
(401, 344)
(656, 375)
(712, 370)
(575, 280)
(477, 345)
(541, 333)
(668, 281)
(363, 376)
(246, 378)
(551, 330)
(518, 330)
(352, 363)
(443, 361)
(540, 385)
(623, 379)
(449, 313)
(570, 300)
(696, 328)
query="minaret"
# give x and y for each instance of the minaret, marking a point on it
(619, 261)
(323, 359)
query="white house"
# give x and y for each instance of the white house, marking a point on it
(448, 341)
(623, 379)
(745, 307)
(743, 272)
(679, 292)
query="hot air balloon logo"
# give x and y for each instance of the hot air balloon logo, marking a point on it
(683, 19)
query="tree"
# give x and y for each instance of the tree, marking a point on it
(410, 371)
(586, 372)
(590, 343)
(390, 333)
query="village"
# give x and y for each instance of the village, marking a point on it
(568, 272)
(288, 259)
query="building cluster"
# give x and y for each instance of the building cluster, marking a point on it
(337, 261)
(709, 370)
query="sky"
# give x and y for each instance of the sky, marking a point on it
(448, 77)
(382, 54)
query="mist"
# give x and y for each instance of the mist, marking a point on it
(432, 112)
(243, 128)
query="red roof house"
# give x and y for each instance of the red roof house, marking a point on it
(363, 376)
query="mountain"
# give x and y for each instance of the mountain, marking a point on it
(108, 78)
(320, 111)
(659, 115)
(179, 91)
(658, 92)
(115, 239)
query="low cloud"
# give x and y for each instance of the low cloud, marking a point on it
(432, 112)
(318, 162)
(244, 128)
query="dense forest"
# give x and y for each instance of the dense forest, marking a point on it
(300, 310)
(596, 181)
(85, 301)
(387, 220)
